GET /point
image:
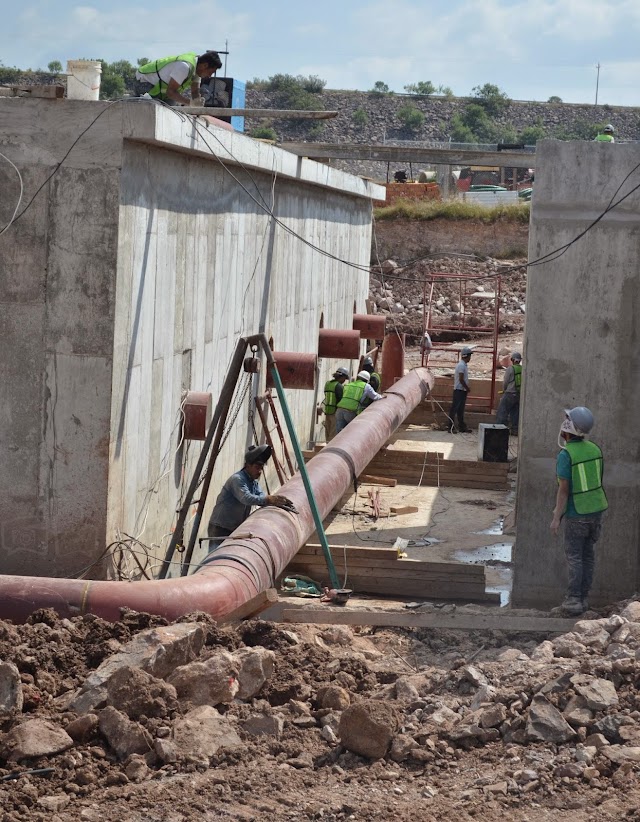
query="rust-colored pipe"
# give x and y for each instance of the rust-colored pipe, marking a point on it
(296, 370)
(392, 359)
(254, 555)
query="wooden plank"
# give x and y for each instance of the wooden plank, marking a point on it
(367, 479)
(255, 606)
(398, 569)
(420, 619)
(352, 551)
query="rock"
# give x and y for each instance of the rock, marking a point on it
(596, 741)
(11, 698)
(135, 692)
(264, 725)
(165, 750)
(368, 727)
(577, 713)
(55, 803)
(474, 675)
(406, 691)
(484, 695)
(599, 694)
(401, 747)
(573, 770)
(202, 732)
(123, 735)
(442, 718)
(83, 728)
(305, 760)
(621, 753)
(523, 777)
(632, 611)
(613, 623)
(609, 726)
(333, 697)
(329, 734)
(546, 724)
(137, 769)
(33, 738)
(207, 683)
(629, 734)
(558, 685)
(512, 655)
(157, 650)
(493, 717)
(568, 648)
(586, 753)
(592, 634)
(389, 266)
(497, 788)
(543, 653)
(255, 668)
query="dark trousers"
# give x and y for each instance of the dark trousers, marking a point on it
(217, 531)
(580, 537)
(509, 411)
(457, 409)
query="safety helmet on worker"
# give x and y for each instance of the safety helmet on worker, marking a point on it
(608, 129)
(257, 454)
(364, 375)
(581, 420)
(516, 356)
(367, 363)
(341, 373)
(466, 351)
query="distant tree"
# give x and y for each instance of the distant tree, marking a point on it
(258, 83)
(55, 66)
(116, 78)
(445, 91)
(142, 61)
(360, 117)
(554, 99)
(424, 87)
(473, 125)
(380, 87)
(312, 83)
(290, 91)
(460, 132)
(491, 98)
(578, 130)
(263, 133)
(411, 117)
(531, 134)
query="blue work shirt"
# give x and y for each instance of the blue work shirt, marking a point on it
(238, 495)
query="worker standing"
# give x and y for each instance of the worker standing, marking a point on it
(460, 392)
(581, 500)
(426, 344)
(168, 78)
(241, 492)
(332, 396)
(606, 136)
(349, 406)
(509, 408)
(374, 377)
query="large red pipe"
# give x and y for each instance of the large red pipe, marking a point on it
(254, 555)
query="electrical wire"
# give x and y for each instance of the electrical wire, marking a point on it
(15, 210)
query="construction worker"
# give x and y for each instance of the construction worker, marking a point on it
(581, 500)
(460, 392)
(509, 408)
(426, 344)
(240, 492)
(349, 406)
(332, 396)
(169, 77)
(374, 377)
(606, 136)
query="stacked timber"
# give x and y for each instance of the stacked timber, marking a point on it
(384, 572)
(435, 409)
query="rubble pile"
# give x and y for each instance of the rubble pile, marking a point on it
(99, 719)
(403, 299)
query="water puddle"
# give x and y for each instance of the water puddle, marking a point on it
(500, 552)
(494, 530)
(425, 542)
(502, 586)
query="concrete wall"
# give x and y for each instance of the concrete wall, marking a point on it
(581, 348)
(129, 280)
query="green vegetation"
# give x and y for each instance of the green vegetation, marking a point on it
(411, 117)
(554, 99)
(379, 87)
(424, 87)
(475, 125)
(116, 78)
(299, 93)
(360, 117)
(452, 210)
(263, 133)
(55, 67)
(492, 99)
(531, 134)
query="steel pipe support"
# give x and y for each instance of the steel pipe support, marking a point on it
(255, 555)
(392, 359)
(339, 344)
(370, 326)
(296, 370)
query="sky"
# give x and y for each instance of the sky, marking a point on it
(531, 49)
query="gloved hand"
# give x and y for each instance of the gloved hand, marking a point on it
(279, 501)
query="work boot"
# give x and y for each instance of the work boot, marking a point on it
(572, 606)
(585, 604)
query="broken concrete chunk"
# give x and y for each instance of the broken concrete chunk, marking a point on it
(568, 648)
(484, 695)
(512, 655)
(474, 675)
(11, 699)
(577, 713)
(632, 611)
(35, 737)
(493, 717)
(368, 727)
(621, 753)
(123, 735)
(157, 650)
(599, 694)
(135, 692)
(264, 725)
(546, 724)
(401, 747)
(83, 728)
(213, 682)
(543, 653)
(596, 741)
(406, 691)
(165, 750)
(55, 803)
(137, 769)
(255, 668)
(202, 732)
(333, 697)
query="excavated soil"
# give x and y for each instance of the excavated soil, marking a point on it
(430, 771)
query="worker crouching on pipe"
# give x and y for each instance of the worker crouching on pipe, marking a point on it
(241, 492)
(351, 403)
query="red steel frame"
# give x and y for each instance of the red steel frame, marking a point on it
(263, 413)
(489, 331)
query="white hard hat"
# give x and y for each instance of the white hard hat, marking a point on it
(364, 375)
(608, 129)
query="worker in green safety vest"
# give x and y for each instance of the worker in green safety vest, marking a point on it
(509, 408)
(332, 396)
(606, 135)
(168, 78)
(349, 406)
(580, 500)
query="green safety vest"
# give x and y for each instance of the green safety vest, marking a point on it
(604, 138)
(154, 67)
(375, 376)
(517, 376)
(330, 399)
(351, 395)
(586, 477)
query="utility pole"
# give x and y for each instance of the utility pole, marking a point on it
(226, 52)
(597, 81)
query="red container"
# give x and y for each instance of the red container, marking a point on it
(392, 359)
(370, 326)
(339, 344)
(197, 415)
(296, 370)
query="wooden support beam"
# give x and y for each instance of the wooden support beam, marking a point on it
(368, 479)
(253, 607)
(411, 154)
(455, 621)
